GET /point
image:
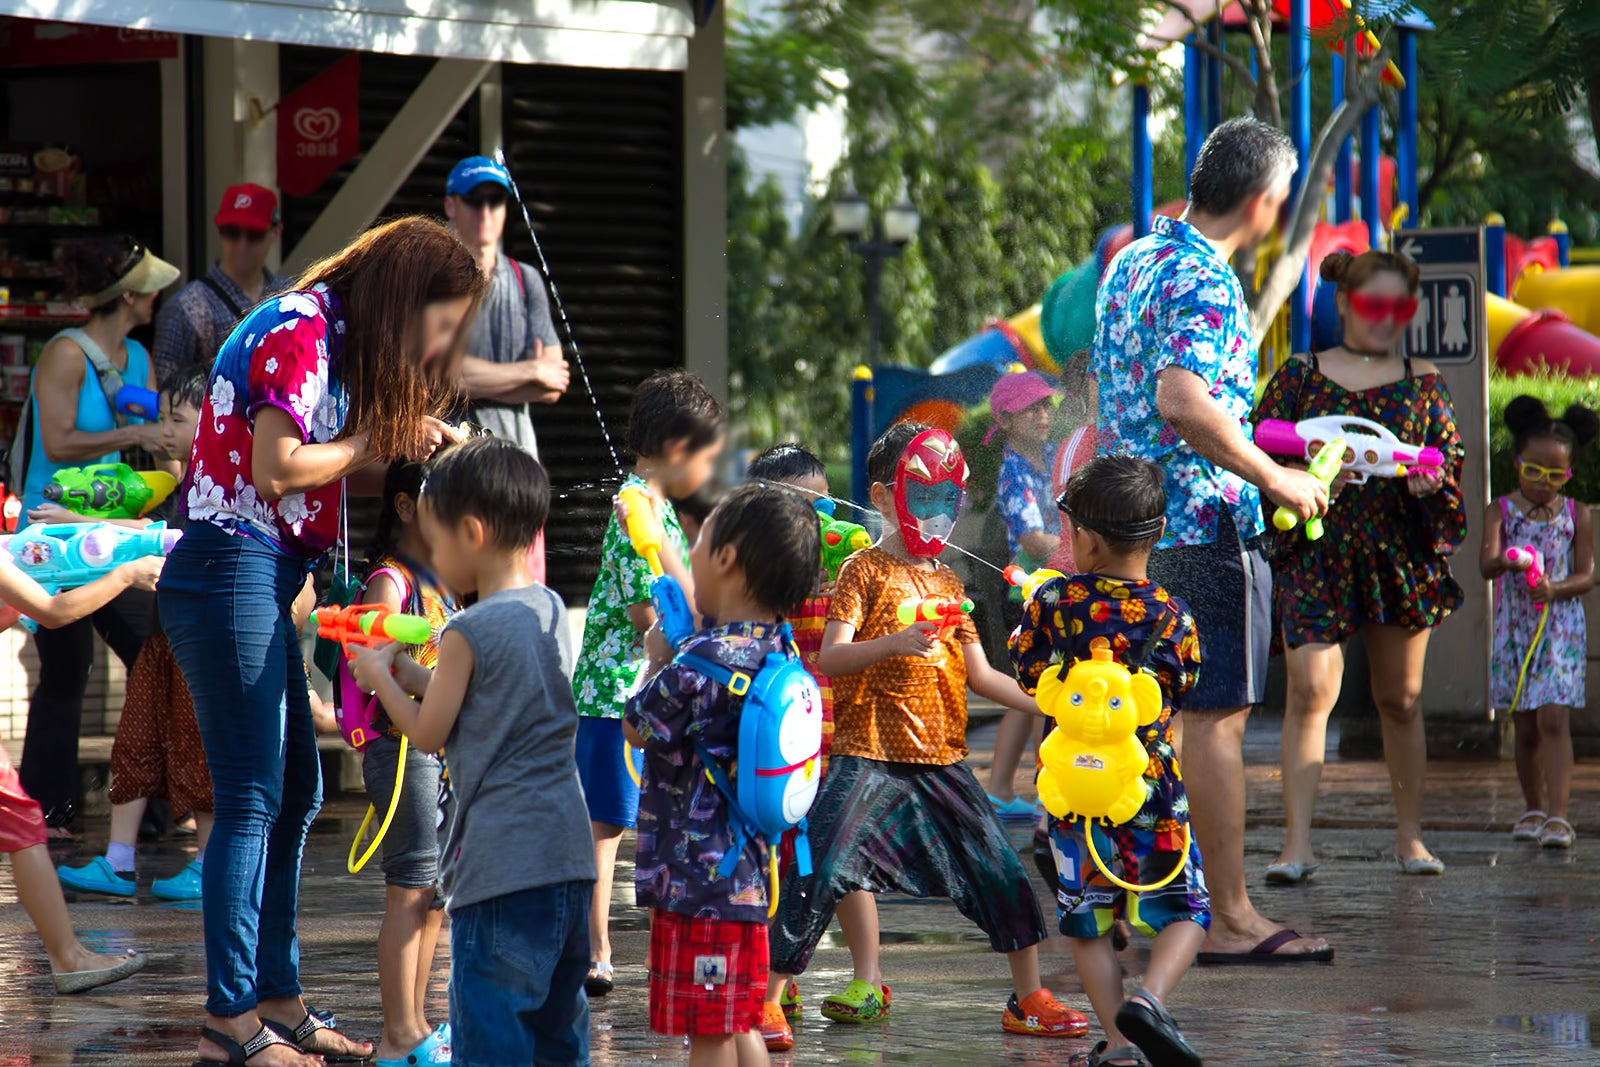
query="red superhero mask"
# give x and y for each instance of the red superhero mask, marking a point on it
(929, 489)
(1375, 308)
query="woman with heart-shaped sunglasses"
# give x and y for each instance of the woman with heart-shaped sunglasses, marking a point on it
(1382, 569)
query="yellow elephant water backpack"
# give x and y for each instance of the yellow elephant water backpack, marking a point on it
(1092, 766)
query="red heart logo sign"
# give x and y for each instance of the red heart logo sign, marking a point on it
(317, 123)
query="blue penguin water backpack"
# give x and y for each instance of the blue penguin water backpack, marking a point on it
(779, 762)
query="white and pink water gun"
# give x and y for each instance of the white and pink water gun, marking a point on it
(1370, 449)
(1520, 554)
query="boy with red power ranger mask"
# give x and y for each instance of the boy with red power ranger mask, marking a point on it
(899, 809)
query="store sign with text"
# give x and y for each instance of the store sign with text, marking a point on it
(33, 43)
(319, 128)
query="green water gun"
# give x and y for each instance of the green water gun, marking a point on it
(109, 490)
(1325, 467)
(841, 539)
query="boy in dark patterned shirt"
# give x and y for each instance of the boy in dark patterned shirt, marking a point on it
(756, 555)
(1114, 510)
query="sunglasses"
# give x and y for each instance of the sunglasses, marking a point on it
(481, 201)
(1556, 476)
(239, 233)
(1377, 308)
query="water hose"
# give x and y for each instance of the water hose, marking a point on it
(1183, 861)
(351, 863)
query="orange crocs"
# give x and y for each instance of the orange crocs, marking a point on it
(1041, 1015)
(775, 1029)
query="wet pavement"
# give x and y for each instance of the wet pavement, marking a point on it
(1494, 963)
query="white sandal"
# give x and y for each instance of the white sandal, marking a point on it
(1556, 833)
(1527, 828)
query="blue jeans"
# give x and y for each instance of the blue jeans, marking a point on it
(225, 606)
(517, 965)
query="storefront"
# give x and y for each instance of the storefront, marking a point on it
(610, 112)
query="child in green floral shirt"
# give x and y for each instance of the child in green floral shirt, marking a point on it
(676, 429)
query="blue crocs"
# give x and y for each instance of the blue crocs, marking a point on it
(1015, 808)
(434, 1050)
(96, 876)
(185, 885)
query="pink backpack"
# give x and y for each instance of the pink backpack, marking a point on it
(357, 711)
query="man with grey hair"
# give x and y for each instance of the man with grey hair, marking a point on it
(1175, 360)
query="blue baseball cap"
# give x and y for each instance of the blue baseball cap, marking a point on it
(473, 172)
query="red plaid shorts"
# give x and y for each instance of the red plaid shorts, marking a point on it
(707, 976)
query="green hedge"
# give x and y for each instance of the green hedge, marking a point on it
(1557, 393)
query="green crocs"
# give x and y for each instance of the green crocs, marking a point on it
(861, 1002)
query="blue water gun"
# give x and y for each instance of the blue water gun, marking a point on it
(139, 403)
(666, 595)
(66, 555)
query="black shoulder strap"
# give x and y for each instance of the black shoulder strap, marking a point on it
(1153, 641)
(222, 295)
(1407, 358)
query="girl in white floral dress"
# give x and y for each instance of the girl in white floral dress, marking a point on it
(1541, 687)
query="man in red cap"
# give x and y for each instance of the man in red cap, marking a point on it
(193, 324)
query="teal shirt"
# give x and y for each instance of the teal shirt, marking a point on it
(94, 416)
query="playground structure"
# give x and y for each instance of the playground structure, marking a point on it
(1542, 312)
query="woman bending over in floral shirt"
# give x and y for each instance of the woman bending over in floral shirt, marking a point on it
(329, 381)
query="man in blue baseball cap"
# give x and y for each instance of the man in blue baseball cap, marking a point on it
(513, 355)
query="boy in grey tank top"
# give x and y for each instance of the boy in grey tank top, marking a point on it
(516, 856)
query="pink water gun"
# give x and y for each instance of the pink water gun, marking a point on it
(1519, 554)
(1370, 449)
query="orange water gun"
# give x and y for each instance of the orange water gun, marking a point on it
(947, 611)
(370, 624)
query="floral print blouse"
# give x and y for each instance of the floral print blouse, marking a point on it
(280, 356)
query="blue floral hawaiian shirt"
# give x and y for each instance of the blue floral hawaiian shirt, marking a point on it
(1170, 300)
(1023, 496)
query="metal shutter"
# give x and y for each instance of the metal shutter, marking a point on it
(598, 155)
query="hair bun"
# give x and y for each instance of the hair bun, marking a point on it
(1585, 424)
(1334, 266)
(1525, 414)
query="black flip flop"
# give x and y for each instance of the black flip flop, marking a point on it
(239, 1055)
(299, 1035)
(1155, 1032)
(1267, 954)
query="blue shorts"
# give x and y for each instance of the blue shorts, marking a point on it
(608, 788)
(1087, 902)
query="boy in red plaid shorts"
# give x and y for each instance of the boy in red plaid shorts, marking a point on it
(756, 555)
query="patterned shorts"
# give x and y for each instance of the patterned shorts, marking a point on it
(707, 976)
(1087, 902)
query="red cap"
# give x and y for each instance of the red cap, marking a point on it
(249, 207)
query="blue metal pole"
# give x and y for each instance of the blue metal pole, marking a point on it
(1405, 151)
(1143, 165)
(1193, 104)
(1371, 150)
(1494, 253)
(1558, 230)
(1343, 194)
(860, 433)
(1300, 132)
(1213, 77)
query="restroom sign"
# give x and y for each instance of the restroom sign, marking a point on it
(1449, 326)
(1443, 330)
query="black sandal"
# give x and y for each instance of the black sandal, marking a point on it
(1155, 1032)
(312, 1024)
(240, 1055)
(1102, 1056)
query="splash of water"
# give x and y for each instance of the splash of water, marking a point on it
(561, 310)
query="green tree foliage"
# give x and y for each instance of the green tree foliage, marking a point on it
(959, 113)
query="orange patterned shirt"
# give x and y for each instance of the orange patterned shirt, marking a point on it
(807, 621)
(900, 710)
